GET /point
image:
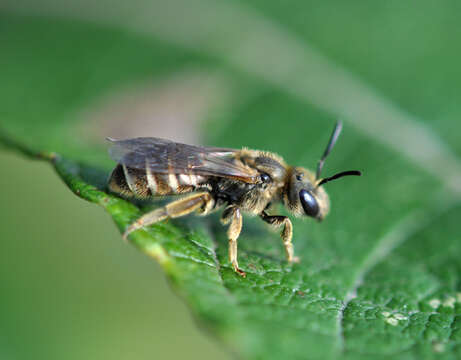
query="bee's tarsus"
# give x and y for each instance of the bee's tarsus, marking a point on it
(133, 227)
(239, 271)
(125, 235)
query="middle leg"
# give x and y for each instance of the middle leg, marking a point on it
(233, 216)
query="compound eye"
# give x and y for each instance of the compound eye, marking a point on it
(310, 205)
(265, 178)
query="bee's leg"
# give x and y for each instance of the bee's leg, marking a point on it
(233, 216)
(174, 209)
(286, 234)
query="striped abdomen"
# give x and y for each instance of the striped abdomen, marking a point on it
(142, 183)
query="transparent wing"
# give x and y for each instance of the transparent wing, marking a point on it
(165, 156)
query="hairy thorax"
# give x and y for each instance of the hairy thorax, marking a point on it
(253, 198)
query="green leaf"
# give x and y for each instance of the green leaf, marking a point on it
(380, 277)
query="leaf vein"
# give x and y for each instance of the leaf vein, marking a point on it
(402, 231)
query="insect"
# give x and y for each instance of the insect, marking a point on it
(240, 181)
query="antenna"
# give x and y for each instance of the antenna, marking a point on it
(339, 175)
(331, 143)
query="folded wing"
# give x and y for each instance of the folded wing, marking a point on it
(167, 157)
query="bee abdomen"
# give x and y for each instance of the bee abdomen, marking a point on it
(130, 182)
(117, 182)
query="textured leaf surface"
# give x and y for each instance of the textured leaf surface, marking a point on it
(381, 276)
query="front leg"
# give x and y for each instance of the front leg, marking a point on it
(233, 215)
(286, 234)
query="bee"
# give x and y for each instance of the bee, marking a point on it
(209, 178)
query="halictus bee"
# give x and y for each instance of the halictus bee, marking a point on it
(209, 178)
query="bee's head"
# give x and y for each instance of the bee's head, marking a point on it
(304, 194)
(303, 198)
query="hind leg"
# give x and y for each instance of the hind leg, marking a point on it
(174, 209)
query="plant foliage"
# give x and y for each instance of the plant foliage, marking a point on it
(380, 277)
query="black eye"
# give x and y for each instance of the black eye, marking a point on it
(299, 177)
(310, 205)
(265, 178)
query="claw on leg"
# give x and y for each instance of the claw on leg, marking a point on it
(238, 270)
(133, 227)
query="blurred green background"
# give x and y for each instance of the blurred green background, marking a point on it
(65, 274)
